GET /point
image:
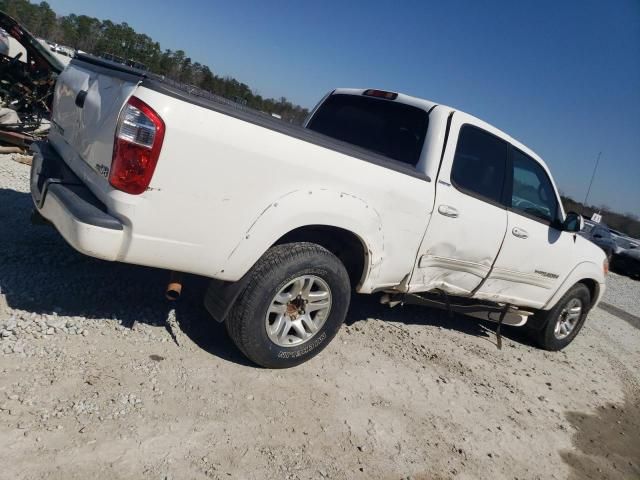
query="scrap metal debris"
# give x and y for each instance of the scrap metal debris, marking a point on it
(27, 79)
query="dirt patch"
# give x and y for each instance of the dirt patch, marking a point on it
(608, 441)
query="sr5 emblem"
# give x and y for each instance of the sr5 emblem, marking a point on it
(103, 170)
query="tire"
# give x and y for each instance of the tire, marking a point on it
(277, 276)
(550, 336)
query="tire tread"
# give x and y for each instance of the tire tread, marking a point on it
(274, 259)
(544, 336)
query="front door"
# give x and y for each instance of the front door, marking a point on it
(536, 254)
(468, 223)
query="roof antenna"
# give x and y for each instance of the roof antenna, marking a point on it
(592, 177)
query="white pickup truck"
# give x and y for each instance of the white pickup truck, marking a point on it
(378, 191)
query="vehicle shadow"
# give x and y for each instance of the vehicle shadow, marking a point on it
(364, 307)
(41, 274)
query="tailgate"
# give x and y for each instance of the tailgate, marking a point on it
(88, 98)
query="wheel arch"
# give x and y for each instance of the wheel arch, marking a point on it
(344, 244)
(341, 222)
(348, 247)
(586, 273)
(594, 289)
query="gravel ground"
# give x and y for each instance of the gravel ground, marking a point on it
(624, 293)
(100, 378)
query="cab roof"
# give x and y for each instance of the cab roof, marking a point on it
(428, 105)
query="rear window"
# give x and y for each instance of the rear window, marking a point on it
(392, 129)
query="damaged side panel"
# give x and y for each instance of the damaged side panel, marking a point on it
(465, 233)
(325, 207)
(285, 183)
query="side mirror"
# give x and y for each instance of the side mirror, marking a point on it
(573, 222)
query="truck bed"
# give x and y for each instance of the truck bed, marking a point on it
(202, 98)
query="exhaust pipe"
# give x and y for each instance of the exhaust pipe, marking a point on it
(174, 288)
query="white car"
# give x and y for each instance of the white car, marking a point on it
(379, 191)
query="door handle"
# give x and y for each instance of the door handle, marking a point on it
(448, 211)
(520, 233)
(80, 98)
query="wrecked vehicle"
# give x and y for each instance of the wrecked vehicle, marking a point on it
(27, 79)
(379, 191)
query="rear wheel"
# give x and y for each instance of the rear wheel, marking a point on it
(561, 324)
(294, 303)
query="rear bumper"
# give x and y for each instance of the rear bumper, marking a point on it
(60, 197)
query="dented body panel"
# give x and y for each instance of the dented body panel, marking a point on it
(227, 187)
(464, 235)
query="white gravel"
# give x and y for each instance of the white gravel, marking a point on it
(13, 175)
(623, 292)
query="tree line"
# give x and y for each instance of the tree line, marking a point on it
(100, 37)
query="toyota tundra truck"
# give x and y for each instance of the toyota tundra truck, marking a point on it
(377, 192)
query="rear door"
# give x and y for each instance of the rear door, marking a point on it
(536, 255)
(469, 222)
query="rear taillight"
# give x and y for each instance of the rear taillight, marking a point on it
(137, 147)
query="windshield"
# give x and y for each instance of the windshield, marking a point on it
(390, 128)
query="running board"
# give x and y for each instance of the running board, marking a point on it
(473, 308)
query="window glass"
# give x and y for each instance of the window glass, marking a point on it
(479, 164)
(390, 128)
(532, 190)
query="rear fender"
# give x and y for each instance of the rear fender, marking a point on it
(300, 208)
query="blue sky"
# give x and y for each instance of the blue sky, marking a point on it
(563, 77)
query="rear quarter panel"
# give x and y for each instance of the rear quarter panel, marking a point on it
(225, 190)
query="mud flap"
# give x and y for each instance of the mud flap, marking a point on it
(221, 296)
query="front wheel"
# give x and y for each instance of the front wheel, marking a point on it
(561, 324)
(294, 303)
